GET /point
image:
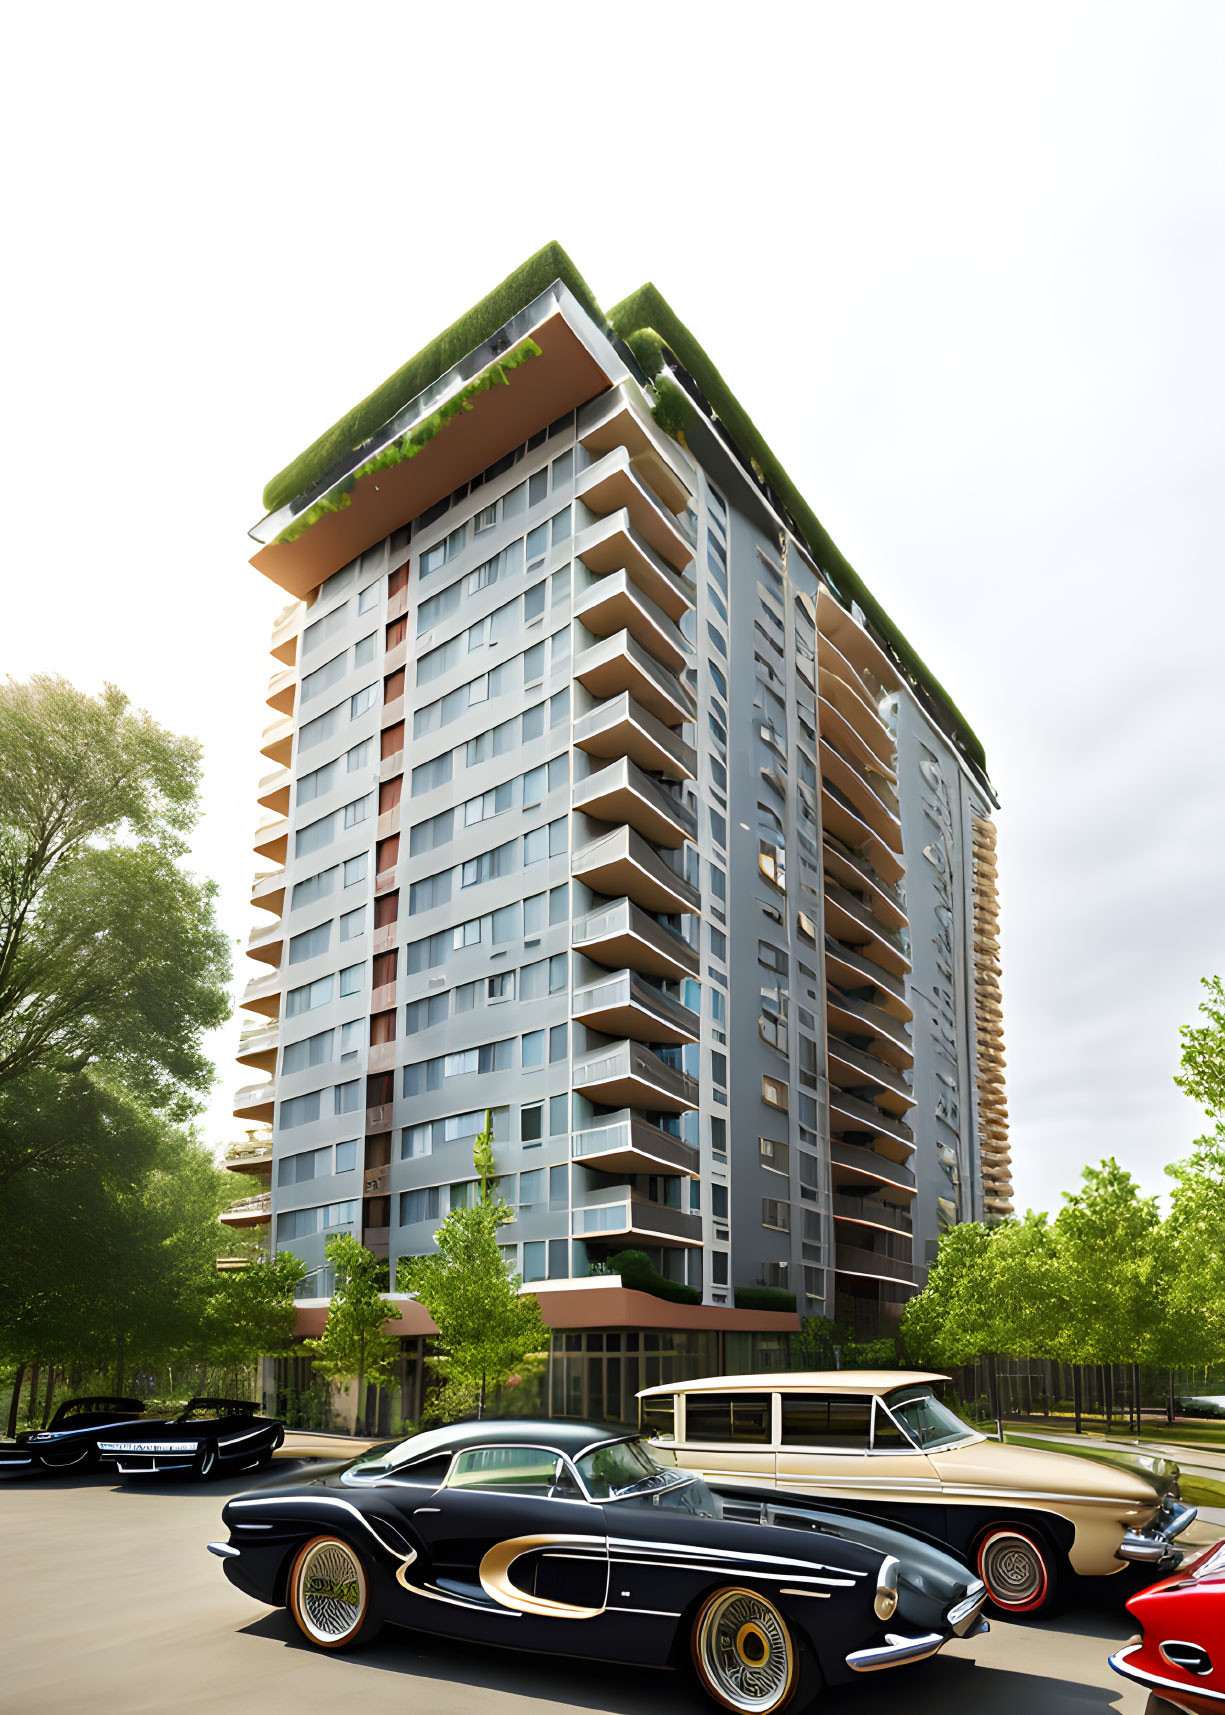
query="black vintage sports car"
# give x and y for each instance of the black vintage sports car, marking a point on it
(208, 1437)
(70, 1440)
(567, 1538)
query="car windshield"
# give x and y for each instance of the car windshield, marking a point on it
(622, 1468)
(928, 1423)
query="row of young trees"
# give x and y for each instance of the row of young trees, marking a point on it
(1109, 1280)
(112, 968)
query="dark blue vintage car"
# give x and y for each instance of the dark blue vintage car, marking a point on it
(568, 1538)
(207, 1438)
(70, 1440)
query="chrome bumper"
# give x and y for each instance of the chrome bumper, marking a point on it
(1154, 1545)
(895, 1651)
(223, 1551)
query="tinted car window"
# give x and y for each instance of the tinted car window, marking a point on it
(739, 1417)
(658, 1415)
(826, 1420)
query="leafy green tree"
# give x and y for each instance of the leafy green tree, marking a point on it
(1203, 1054)
(353, 1346)
(1106, 1246)
(252, 1313)
(1195, 1228)
(487, 1328)
(111, 962)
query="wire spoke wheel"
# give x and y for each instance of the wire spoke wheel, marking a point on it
(328, 1592)
(744, 1653)
(1015, 1571)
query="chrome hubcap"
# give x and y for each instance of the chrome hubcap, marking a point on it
(331, 1592)
(1013, 1571)
(744, 1650)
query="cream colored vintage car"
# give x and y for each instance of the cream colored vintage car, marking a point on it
(882, 1443)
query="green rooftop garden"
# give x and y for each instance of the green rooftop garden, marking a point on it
(654, 335)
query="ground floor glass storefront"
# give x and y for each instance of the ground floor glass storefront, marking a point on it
(598, 1374)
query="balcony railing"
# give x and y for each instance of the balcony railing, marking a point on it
(626, 1004)
(850, 1259)
(614, 420)
(266, 943)
(849, 917)
(272, 839)
(850, 867)
(854, 1158)
(277, 740)
(248, 1211)
(255, 1102)
(622, 727)
(614, 545)
(866, 1116)
(623, 863)
(853, 968)
(263, 994)
(841, 688)
(621, 792)
(623, 935)
(614, 603)
(620, 663)
(872, 1211)
(869, 806)
(268, 890)
(894, 1042)
(634, 1217)
(842, 818)
(848, 1064)
(624, 1142)
(282, 688)
(628, 1075)
(285, 628)
(612, 484)
(274, 790)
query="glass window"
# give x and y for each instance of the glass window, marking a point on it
(657, 1416)
(353, 924)
(356, 868)
(505, 1470)
(886, 1436)
(535, 1258)
(926, 1419)
(533, 1048)
(363, 651)
(308, 997)
(360, 701)
(351, 979)
(300, 1110)
(734, 1417)
(369, 596)
(612, 1470)
(826, 1420)
(310, 944)
(310, 1051)
(346, 1156)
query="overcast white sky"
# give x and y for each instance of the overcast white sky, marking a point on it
(963, 264)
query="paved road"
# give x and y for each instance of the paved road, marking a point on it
(112, 1607)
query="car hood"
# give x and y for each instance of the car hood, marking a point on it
(1034, 1470)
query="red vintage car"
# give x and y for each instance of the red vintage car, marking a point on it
(1180, 1653)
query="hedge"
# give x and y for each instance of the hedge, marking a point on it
(647, 310)
(639, 1272)
(764, 1298)
(479, 324)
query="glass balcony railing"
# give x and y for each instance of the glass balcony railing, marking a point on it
(855, 1159)
(621, 935)
(627, 1143)
(626, 1004)
(629, 1075)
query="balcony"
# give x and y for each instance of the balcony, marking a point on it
(852, 1164)
(891, 1040)
(622, 727)
(282, 689)
(871, 1212)
(626, 1004)
(841, 688)
(272, 839)
(622, 863)
(376, 1181)
(250, 1158)
(268, 890)
(632, 1220)
(624, 1142)
(867, 806)
(266, 943)
(612, 485)
(613, 421)
(255, 1103)
(614, 545)
(277, 741)
(257, 1046)
(628, 1075)
(621, 792)
(620, 663)
(850, 1259)
(845, 736)
(614, 603)
(891, 1134)
(850, 1066)
(843, 820)
(248, 1212)
(263, 994)
(853, 923)
(867, 657)
(274, 791)
(852, 970)
(855, 873)
(378, 1117)
(622, 935)
(285, 628)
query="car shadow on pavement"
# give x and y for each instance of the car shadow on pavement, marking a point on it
(173, 1483)
(929, 1688)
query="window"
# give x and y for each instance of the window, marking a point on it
(369, 596)
(418, 1206)
(359, 755)
(297, 1224)
(717, 941)
(558, 1038)
(300, 1169)
(322, 630)
(775, 1156)
(728, 1417)
(351, 979)
(826, 1420)
(430, 891)
(323, 678)
(424, 1013)
(363, 651)
(358, 810)
(718, 1202)
(427, 775)
(773, 958)
(314, 836)
(299, 1110)
(312, 786)
(310, 1051)
(508, 1470)
(361, 700)
(775, 1214)
(310, 943)
(351, 1038)
(313, 888)
(718, 1137)
(531, 1187)
(775, 1093)
(533, 1048)
(501, 987)
(308, 997)
(356, 868)
(531, 1123)
(340, 1214)
(322, 727)
(347, 1097)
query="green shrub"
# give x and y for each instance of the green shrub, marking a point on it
(672, 409)
(638, 1272)
(648, 348)
(764, 1298)
(480, 323)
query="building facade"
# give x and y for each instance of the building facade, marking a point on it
(599, 804)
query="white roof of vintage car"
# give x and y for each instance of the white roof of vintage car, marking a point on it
(799, 1381)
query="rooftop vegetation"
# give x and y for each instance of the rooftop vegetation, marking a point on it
(479, 324)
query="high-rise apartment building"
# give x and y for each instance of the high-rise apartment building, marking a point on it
(607, 801)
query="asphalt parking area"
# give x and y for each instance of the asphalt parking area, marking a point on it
(111, 1604)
